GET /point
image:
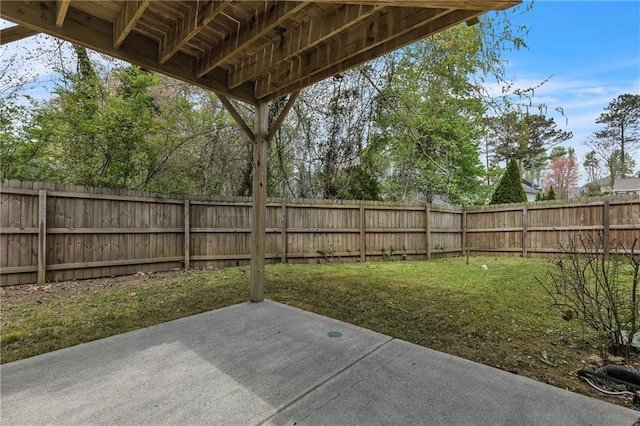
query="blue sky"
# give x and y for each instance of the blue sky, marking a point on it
(589, 51)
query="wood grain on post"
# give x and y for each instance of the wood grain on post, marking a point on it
(259, 211)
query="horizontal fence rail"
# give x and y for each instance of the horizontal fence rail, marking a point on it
(62, 232)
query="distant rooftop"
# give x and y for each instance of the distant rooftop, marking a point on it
(627, 185)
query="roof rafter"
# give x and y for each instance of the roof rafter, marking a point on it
(273, 15)
(393, 23)
(130, 13)
(437, 4)
(61, 13)
(300, 38)
(15, 33)
(418, 33)
(189, 24)
(136, 49)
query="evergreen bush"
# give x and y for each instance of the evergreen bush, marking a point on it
(509, 189)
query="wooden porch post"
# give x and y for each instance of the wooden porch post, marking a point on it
(260, 135)
(259, 211)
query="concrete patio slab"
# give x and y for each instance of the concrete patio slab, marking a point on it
(270, 363)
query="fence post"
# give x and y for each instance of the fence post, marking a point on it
(464, 232)
(285, 224)
(525, 214)
(363, 234)
(42, 236)
(187, 235)
(427, 230)
(605, 227)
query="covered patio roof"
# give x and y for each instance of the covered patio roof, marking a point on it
(249, 50)
(253, 51)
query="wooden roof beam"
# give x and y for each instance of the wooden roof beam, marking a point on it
(15, 33)
(247, 33)
(136, 49)
(61, 12)
(130, 13)
(395, 22)
(237, 117)
(379, 49)
(302, 37)
(480, 5)
(473, 21)
(189, 24)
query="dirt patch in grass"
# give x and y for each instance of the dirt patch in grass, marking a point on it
(64, 291)
(498, 316)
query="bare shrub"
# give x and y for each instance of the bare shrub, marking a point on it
(596, 282)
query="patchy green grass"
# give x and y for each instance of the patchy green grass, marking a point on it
(499, 316)
(38, 319)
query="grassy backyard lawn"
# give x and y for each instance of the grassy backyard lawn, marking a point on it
(499, 316)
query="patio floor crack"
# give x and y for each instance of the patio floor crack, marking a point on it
(325, 381)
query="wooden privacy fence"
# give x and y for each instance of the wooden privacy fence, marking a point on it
(61, 232)
(543, 229)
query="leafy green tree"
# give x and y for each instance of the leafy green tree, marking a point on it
(70, 121)
(22, 157)
(509, 189)
(430, 118)
(197, 148)
(127, 128)
(432, 107)
(358, 183)
(102, 128)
